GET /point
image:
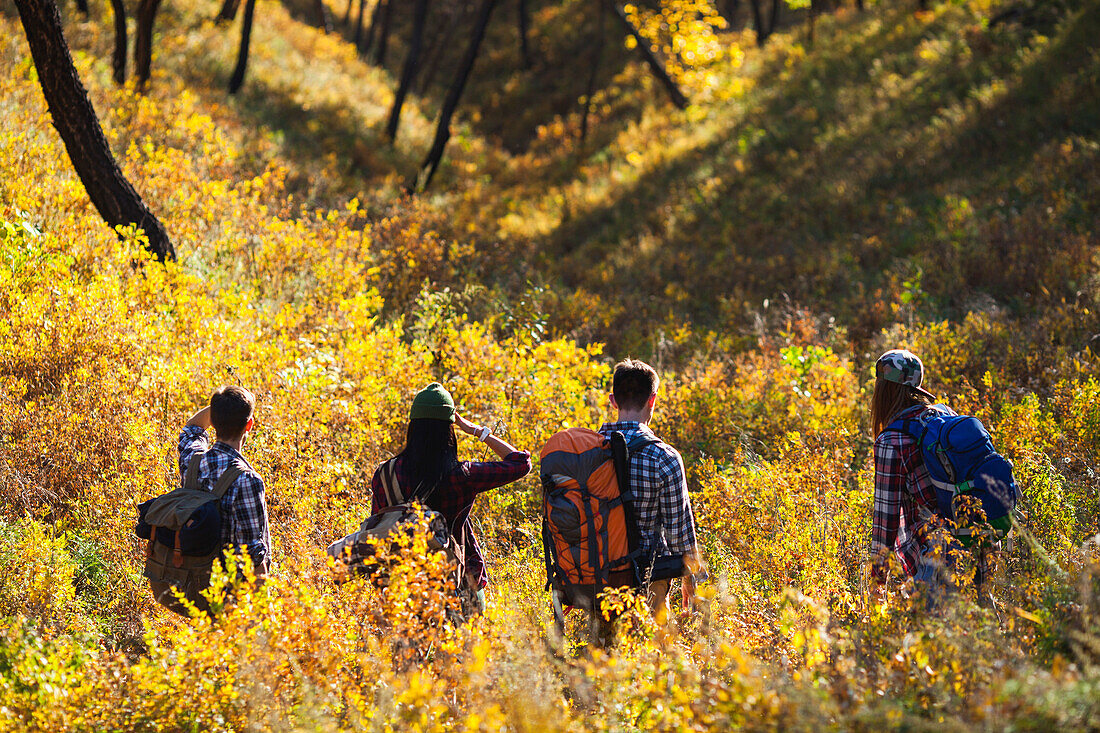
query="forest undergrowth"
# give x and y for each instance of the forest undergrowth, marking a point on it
(917, 180)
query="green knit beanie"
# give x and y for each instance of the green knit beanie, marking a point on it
(433, 402)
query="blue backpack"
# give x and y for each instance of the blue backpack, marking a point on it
(975, 490)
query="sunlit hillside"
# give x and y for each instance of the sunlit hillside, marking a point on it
(919, 179)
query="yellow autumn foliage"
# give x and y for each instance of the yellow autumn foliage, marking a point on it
(335, 318)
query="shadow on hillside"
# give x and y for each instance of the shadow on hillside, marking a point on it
(816, 182)
(644, 207)
(310, 135)
(1042, 106)
(504, 100)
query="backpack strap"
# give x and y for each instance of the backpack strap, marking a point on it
(191, 478)
(640, 441)
(915, 425)
(177, 552)
(392, 489)
(227, 478)
(548, 553)
(620, 455)
(909, 426)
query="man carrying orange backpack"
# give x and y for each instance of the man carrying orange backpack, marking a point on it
(616, 512)
(662, 506)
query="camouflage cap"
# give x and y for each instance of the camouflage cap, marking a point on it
(902, 367)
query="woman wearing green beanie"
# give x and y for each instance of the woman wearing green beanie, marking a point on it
(428, 468)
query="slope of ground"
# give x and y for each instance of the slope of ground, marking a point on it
(896, 162)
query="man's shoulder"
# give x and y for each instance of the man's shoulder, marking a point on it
(655, 450)
(223, 458)
(648, 443)
(651, 443)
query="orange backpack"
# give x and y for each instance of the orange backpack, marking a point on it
(589, 529)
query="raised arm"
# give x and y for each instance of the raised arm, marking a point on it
(193, 438)
(201, 419)
(500, 447)
(513, 465)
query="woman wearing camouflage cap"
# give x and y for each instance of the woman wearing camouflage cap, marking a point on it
(905, 517)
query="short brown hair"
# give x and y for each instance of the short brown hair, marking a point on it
(230, 408)
(633, 383)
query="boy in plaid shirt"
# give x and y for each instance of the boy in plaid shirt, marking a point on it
(243, 507)
(661, 500)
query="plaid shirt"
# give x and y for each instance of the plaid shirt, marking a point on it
(905, 499)
(454, 498)
(243, 508)
(661, 498)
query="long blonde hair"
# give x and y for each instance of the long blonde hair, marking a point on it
(889, 399)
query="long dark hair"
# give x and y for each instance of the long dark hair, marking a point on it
(889, 399)
(431, 450)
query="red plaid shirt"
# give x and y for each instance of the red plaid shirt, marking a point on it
(905, 499)
(454, 497)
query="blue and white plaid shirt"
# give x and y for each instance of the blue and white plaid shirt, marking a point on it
(243, 507)
(661, 498)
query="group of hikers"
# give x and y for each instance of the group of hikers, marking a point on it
(621, 473)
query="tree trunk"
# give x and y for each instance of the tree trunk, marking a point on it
(383, 35)
(597, 57)
(443, 132)
(347, 13)
(324, 18)
(82, 6)
(650, 57)
(237, 80)
(420, 14)
(375, 21)
(118, 59)
(729, 9)
(143, 39)
(524, 26)
(758, 22)
(75, 119)
(773, 22)
(860, 6)
(228, 12)
(359, 24)
(816, 9)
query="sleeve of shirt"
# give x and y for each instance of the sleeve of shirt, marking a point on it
(250, 510)
(486, 475)
(192, 440)
(675, 506)
(889, 485)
